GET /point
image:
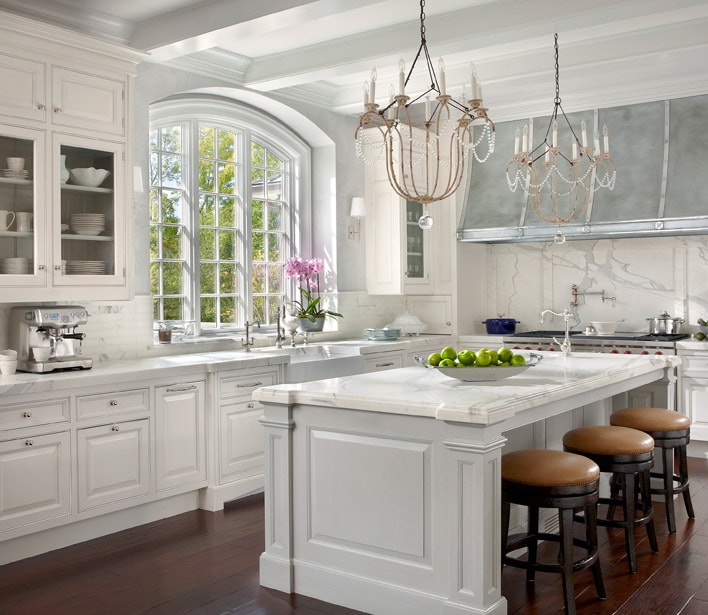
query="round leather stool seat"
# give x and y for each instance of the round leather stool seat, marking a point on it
(541, 478)
(651, 419)
(671, 432)
(555, 469)
(627, 454)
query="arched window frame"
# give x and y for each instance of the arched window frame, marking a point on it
(251, 124)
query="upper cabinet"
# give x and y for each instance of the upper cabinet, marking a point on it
(659, 190)
(64, 106)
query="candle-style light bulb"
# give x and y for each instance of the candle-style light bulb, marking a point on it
(372, 86)
(517, 138)
(525, 142)
(366, 93)
(584, 131)
(475, 92)
(401, 78)
(555, 133)
(606, 139)
(441, 76)
(391, 94)
(597, 143)
(427, 107)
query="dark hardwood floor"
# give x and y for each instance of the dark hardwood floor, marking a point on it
(207, 563)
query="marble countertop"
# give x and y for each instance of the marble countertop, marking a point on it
(426, 392)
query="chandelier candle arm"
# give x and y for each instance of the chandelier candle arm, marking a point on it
(425, 161)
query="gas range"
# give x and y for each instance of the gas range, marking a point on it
(617, 343)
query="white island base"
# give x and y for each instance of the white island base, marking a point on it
(383, 490)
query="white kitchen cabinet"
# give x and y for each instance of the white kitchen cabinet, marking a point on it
(85, 101)
(380, 361)
(241, 434)
(113, 463)
(434, 310)
(35, 480)
(75, 93)
(693, 387)
(180, 435)
(401, 258)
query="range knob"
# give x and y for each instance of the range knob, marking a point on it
(539, 348)
(645, 352)
(658, 352)
(551, 348)
(614, 351)
(627, 352)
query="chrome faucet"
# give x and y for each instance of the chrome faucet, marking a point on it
(565, 344)
(248, 342)
(280, 334)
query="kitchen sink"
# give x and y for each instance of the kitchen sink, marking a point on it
(317, 361)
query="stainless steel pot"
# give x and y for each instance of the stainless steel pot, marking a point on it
(663, 324)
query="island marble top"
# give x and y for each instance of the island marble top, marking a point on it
(426, 392)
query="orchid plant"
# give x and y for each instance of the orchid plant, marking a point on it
(307, 272)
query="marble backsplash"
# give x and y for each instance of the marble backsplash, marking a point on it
(123, 330)
(646, 276)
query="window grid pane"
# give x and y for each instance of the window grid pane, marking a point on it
(168, 253)
(268, 234)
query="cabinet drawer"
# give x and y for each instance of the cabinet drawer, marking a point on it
(242, 385)
(31, 414)
(380, 362)
(106, 404)
(694, 366)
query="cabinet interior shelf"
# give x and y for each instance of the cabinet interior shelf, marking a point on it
(17, 182)
(86, 237)
(17, 234)
(77, 188)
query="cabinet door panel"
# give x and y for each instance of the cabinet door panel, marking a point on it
(241, 441)
(695, 405)
(35, 479)
(22, 93)
(86, 101)
(113, 463)
(181, 434)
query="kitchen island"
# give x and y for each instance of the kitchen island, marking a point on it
(383, 489)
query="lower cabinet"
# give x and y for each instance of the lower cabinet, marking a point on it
(35, 480)
(180, 434)
(113, 462)
(240, 432)
(693, 385)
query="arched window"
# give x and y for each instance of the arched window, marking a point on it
(227, 188)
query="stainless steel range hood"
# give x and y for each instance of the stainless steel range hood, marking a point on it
(661, 187)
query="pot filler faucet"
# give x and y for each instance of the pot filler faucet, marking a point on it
(565, 344)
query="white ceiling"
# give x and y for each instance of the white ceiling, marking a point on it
(611, 51)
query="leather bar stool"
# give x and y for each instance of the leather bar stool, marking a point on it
(541, 478)
(628, 455)
(671, 432)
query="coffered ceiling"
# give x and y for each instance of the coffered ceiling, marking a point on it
(611, 51)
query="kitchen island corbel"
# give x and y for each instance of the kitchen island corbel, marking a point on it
(383, 489)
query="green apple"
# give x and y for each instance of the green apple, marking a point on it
(518, 359)
(448, 353)
(484, 358)
(446, 363)
(466, 357)
(434, 359)
(505, 354)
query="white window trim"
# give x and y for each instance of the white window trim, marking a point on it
(267, 129)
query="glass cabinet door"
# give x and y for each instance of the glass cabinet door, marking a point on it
(415, 243)
(21, 241)
(89, 222)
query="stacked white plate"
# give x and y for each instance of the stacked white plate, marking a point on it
(22, 174)
(88, 224)
(15, 265)
(85, 267)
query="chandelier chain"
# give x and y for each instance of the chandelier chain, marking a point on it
(422, 21)
(557, 100)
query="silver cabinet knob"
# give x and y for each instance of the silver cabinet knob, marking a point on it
(57, 109)
(29, 442)
(113, 402)
(40, 106)
(27, 414)
(115, 428)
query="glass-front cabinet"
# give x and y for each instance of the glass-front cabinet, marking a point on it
(416, 247)
(88, 224)
(22, 248)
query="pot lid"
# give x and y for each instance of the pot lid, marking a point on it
(663, 316)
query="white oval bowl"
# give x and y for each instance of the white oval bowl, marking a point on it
(89, 176)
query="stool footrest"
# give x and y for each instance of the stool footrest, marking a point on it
(520, 541)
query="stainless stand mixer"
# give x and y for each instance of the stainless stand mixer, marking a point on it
(52, 328)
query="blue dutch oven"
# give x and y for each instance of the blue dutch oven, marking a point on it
(500, 326)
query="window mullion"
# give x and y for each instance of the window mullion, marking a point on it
(245, 224)
(192, 220)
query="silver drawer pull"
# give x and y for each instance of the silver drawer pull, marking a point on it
(27, 414)
(186, 387)
(29, 442)
(249, 385)
(113, 402)
(384, 364)
(40, 106)
(115, 428)
(57, 109)
(250, 405)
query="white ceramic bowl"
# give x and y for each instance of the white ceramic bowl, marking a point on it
(88, 177)
(606, 328)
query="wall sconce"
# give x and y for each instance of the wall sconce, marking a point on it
(357, 212)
